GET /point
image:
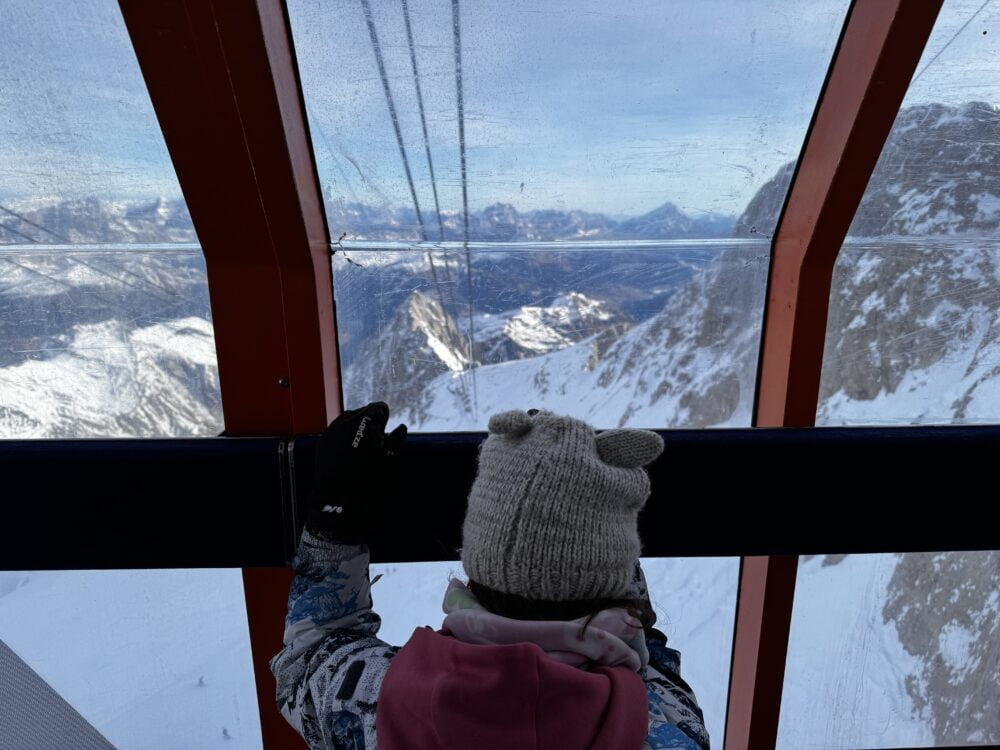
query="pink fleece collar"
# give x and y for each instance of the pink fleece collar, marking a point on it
(613, 637)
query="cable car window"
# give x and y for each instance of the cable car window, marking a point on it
(912, 334)
(105, 326)
(694, 600)
(542, 204)
(143, 658)
(893, 650)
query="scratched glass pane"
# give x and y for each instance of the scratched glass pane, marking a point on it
(145, 659)
(893, 650)
(78, 136)
(639, 119)
(493, 133)
(694, 600)
(913, 334)
(105, 328)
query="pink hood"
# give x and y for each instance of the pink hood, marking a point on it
(515, 684)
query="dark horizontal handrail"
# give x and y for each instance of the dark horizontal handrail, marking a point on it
(235, 502)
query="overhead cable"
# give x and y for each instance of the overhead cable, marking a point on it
(377, 48)
(457, 32)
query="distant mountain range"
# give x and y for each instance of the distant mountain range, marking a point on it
(166, 220)
(95, 221)
(502, 222)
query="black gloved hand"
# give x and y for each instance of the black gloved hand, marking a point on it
(354, 462)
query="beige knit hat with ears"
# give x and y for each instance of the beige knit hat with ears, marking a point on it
(553, 511)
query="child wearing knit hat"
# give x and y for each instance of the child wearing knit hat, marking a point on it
(549, 644)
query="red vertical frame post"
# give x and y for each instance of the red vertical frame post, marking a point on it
(222, 78)
(879, 49)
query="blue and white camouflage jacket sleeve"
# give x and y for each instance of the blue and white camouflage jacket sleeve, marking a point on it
(332, 665)
(676, 721)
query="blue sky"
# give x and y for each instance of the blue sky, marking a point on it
(591, 105)
(586, 104)
(75, 118)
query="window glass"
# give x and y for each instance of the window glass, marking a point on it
(105, 329)
(544, 334)
(461, 146)
(694, 600)
(893, 650)
(912, 334)
(150, 658)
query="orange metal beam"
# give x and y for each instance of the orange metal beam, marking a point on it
(764, 609)
(224, 85)
(879, 49)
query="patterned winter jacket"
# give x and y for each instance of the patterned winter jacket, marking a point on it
(331, 669)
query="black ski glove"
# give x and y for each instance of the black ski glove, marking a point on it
(354, 462)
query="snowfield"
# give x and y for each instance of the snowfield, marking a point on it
(154, 659)
(846, 668)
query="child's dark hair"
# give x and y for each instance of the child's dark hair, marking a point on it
(521, 608)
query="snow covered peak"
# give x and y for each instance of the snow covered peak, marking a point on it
(424, 344)
(426, 317)
(567, 320)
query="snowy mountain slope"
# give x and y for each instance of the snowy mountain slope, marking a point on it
(110, 381)
(846, 670)
(534, 330)
(153, 659)
(420, 342)
(913, 334)
(113, 344)
(893, 650)
(424, 344)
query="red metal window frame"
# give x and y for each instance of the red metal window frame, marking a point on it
(879, 49)
(224, 85)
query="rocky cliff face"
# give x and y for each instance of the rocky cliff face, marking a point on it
(937, 176)
(421, 342)
(946, 608)
(912, 334)
(420, 362)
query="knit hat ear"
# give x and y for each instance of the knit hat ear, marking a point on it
(515, 423)
(628, 449)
